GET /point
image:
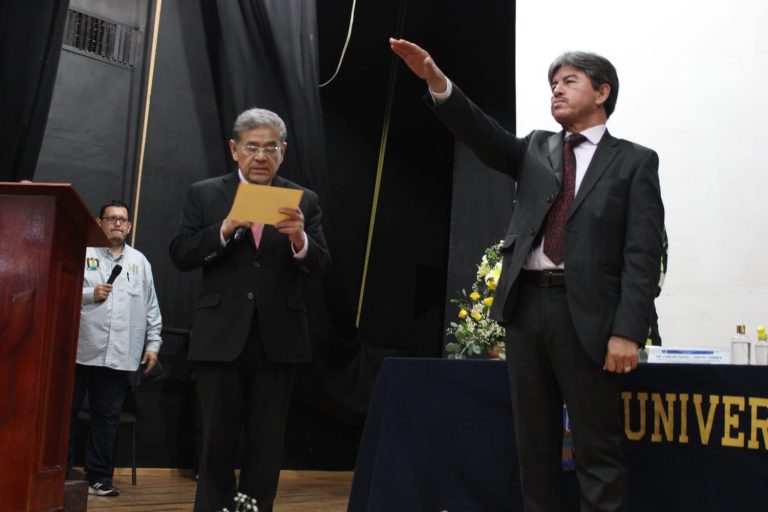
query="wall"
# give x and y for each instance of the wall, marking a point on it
(91, 135)
(691, 75)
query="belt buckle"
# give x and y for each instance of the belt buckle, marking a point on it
(549, 278)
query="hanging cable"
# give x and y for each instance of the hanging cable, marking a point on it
(150, 78)
(346, 43)
(380, 164)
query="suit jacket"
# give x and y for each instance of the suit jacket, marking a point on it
(613, 233)
(239, 280)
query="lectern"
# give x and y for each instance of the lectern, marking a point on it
(44, 230)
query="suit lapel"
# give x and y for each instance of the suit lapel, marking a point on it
(229, 188)
(555, 154)
(604, 154)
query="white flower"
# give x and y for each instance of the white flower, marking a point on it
(483, 268)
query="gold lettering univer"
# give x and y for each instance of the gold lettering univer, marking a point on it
(705, 429)
(732, 421)
(626, 396)
(755, 404)
(663, 416)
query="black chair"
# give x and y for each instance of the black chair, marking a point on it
(127, 417)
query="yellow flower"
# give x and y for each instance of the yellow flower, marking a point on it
(477, 316)
(463, 314)
(491, 284)
(474, 296)
(493, 274)
(488, 301)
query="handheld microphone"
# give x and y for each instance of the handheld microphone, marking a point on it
(115, 272)
(239, 234)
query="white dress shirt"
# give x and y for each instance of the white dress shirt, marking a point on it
(584, 152)
(115, 332)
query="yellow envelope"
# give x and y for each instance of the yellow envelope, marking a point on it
(259, 203)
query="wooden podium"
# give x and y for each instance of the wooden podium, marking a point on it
(44, 230)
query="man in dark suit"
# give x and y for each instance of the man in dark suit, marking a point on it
(250, 322)
(580, 271)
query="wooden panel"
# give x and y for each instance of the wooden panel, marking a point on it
(65, 286)
(44, 228)
(26, 229)
(71, 207)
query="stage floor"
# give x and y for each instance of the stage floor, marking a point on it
(170, 491)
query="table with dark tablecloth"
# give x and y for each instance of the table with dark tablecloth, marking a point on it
(439, 437)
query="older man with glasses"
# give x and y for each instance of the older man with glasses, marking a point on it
(249, 329)
(120, 327)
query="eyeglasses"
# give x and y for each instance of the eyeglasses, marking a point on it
(268, 150)
(114, 220)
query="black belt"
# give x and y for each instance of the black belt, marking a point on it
(543, 278)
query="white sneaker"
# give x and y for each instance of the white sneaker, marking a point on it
(102, 489)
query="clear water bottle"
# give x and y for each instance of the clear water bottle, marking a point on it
(761, 347)
(740, 346)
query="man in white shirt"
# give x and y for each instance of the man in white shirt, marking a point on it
(120, 326)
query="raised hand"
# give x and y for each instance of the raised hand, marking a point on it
(420, 62)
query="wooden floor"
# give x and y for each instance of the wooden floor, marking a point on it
(299, 491)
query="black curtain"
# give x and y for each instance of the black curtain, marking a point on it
(265, 53)
(483, 199)
(31, 34)
(273, 54)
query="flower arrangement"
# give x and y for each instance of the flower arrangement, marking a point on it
(475, 333)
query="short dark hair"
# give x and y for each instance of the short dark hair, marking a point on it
(117, 203)
(599, 70)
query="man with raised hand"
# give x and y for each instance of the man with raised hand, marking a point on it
(580, 270)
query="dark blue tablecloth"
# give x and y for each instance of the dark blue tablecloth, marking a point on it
(439, 437)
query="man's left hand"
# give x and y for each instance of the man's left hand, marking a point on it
(149, 359)
(622, 355)
(293, 226)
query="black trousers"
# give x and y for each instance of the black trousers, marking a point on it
(547, 365)
(249, 396)
(105, 388)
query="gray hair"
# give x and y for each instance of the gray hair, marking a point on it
(599, 70)
(258, 118)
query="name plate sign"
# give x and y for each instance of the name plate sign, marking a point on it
(689, 355)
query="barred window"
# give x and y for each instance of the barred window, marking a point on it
(110, 41)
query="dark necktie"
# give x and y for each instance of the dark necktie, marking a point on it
(554, 225)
